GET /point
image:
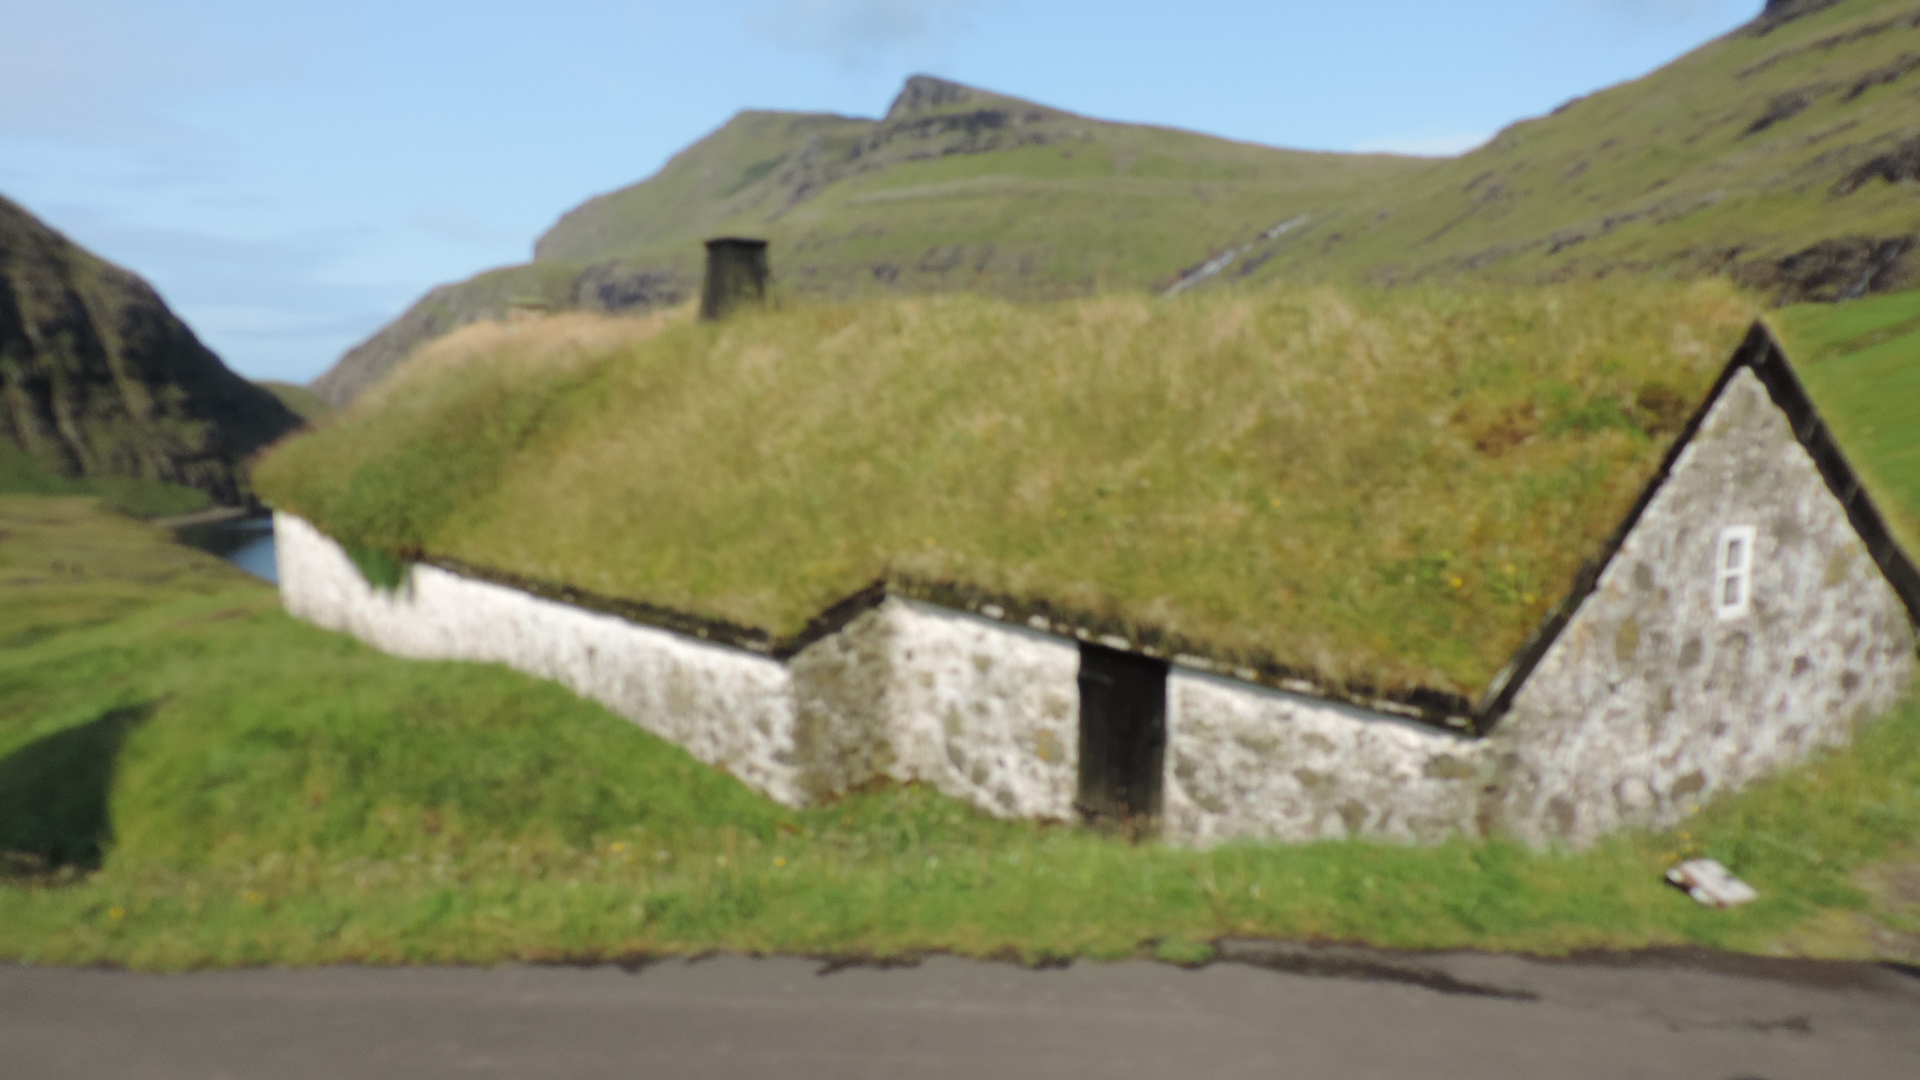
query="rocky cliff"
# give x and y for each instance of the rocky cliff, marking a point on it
(99, 378)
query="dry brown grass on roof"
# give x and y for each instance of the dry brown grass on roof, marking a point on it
(1387, 486)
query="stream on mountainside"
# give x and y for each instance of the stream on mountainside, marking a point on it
(246, 542)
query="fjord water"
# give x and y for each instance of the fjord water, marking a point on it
(245, 542)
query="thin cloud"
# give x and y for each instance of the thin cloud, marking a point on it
(1424, 144)
(455, 226)
(858, 32)
(94, 70)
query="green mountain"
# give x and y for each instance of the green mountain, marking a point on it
(1782, 154)
(100, 382)
(954, 189)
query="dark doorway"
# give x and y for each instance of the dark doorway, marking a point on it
(1123, 736)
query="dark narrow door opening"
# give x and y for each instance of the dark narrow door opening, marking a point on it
(1123, 736)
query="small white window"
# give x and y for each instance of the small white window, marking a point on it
(1733, 572)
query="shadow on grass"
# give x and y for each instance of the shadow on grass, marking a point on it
(53, 796)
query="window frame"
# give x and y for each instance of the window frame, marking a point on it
(1727, 571)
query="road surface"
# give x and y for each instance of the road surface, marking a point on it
(1266, 1010)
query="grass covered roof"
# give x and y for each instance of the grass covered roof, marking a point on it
(1386, 488)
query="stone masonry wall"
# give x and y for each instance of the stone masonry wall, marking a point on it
(983, 711)
(1649, 703)
(1245, 762)
(729, 708)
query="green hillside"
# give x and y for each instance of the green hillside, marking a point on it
(1860, 361)
(104, 390)
(1387, 489)
(959, 188)
(1782, 154)
(299, 400)
(954, 189)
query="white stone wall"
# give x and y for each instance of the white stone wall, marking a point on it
(1649, 704)
(984, 711)
(728, 707)
(1245, 762)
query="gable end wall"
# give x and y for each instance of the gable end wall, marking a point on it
(1648, 704)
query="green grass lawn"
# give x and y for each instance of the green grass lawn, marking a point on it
(1860, 361)
(224, 785)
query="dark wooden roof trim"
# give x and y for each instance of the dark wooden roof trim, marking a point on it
(1784, 385)
(1449, 712)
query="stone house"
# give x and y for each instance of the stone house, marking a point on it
(1752, 608)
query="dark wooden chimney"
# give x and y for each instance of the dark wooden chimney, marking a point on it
(736, 276)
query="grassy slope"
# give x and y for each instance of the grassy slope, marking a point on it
(1031, 203)
(23, 475)
(299, 400)
(1674, 173)
(287, 795)
(107, 386)
(1659, 174)
(1385, 488)
(1861, 362)
(1670, 175)
(1054, 204)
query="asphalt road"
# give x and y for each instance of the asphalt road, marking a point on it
(1269, 1011)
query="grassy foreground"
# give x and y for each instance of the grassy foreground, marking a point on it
(228, 786)
(1385, 488)
(22, 475)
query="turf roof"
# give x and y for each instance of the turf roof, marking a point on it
(1388, 489)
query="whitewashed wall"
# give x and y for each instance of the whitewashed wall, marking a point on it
(727, 707)
(911, 692)
(1245, 762)
(1649, 704)
(983, 711)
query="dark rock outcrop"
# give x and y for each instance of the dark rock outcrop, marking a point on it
(615, 287)
(1778, 13)
(1898, 165)
(99, 378)
(925, 92)
(1840, 269)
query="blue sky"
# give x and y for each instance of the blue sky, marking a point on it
(291, 175)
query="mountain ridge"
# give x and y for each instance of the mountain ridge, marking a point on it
(1781, 154)
(955, 187)
(98, 378)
